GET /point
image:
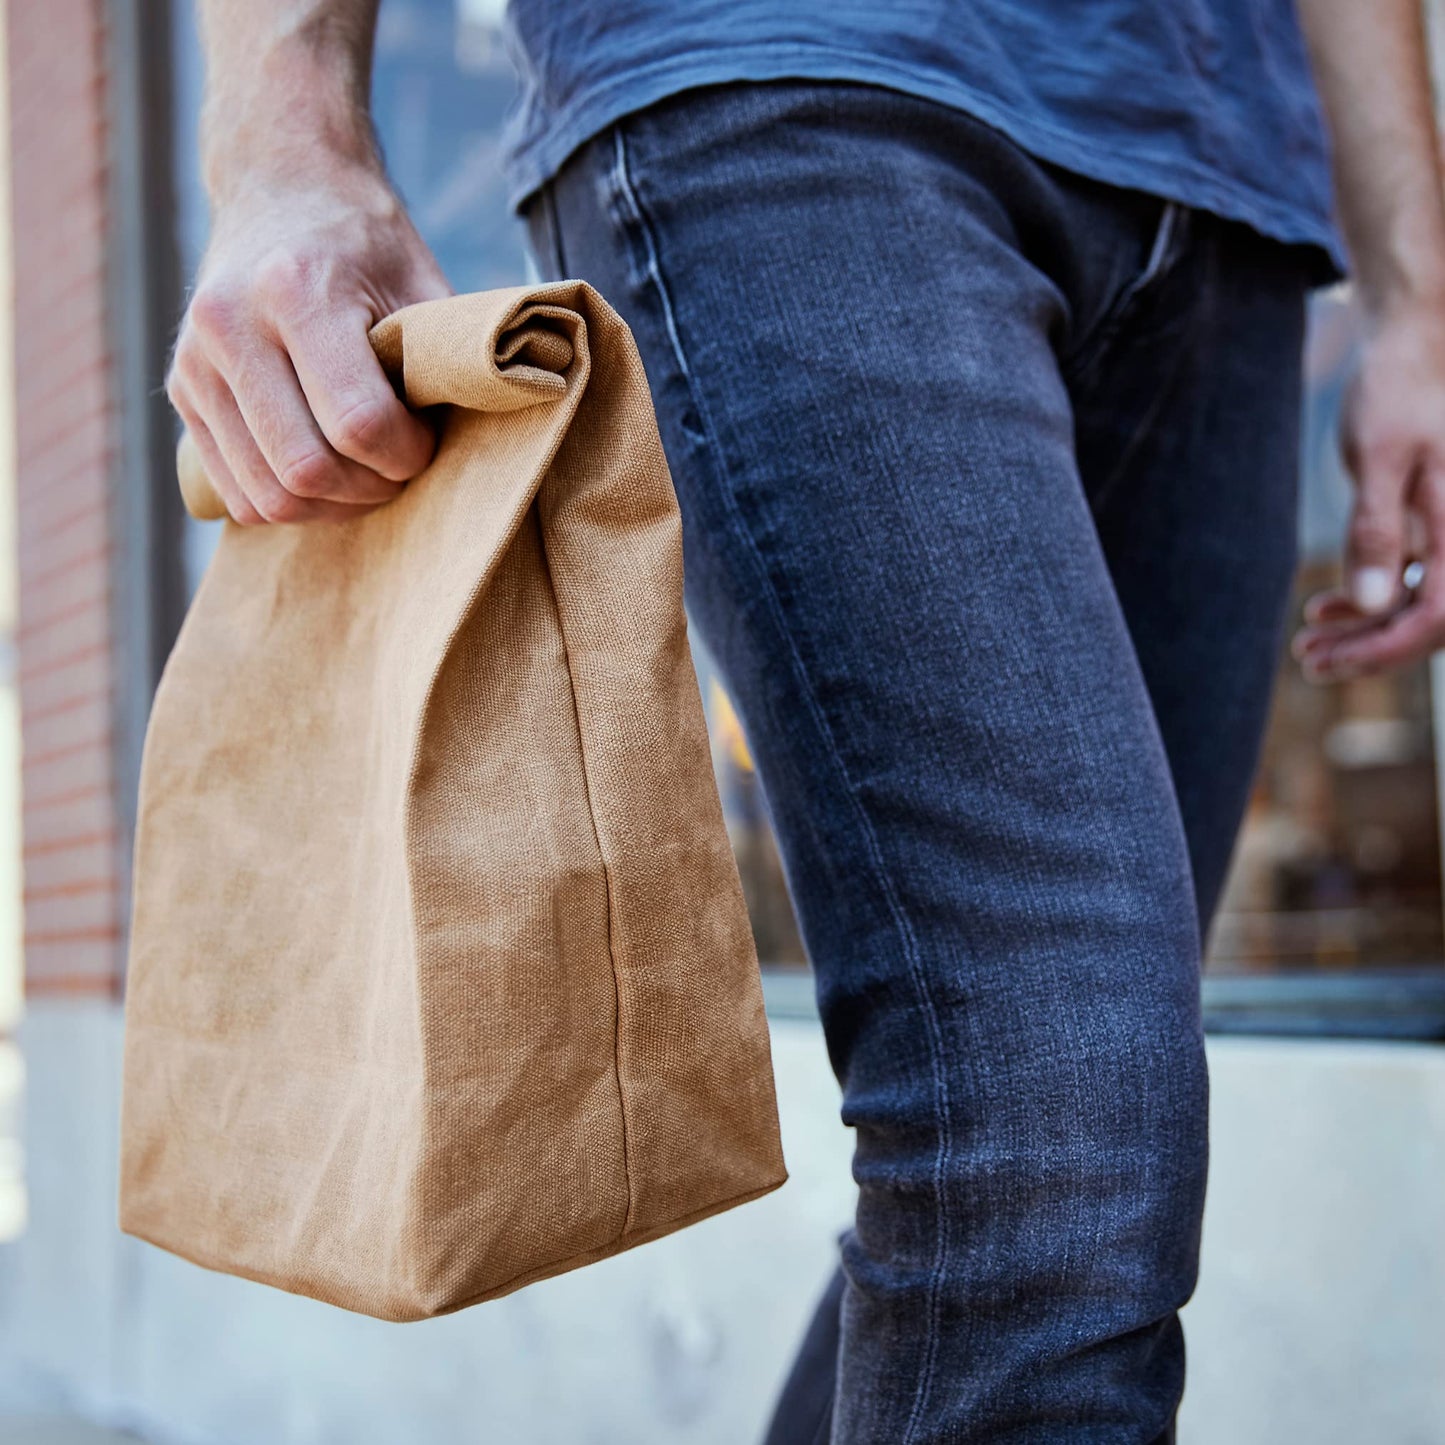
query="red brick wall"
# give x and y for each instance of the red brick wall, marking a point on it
(66, 432)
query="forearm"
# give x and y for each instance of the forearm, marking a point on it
(1371, 62)
(287, 91)
(282, 395)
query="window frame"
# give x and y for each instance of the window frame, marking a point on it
(143, 294)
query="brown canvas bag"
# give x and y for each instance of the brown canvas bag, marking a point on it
(440, 979)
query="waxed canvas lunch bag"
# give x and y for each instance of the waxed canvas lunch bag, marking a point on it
(440, 979)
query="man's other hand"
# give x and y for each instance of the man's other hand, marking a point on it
(1393, 440)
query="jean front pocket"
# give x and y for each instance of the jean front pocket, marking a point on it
(1169, 243)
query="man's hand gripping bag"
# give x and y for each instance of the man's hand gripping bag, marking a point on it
(440, 979)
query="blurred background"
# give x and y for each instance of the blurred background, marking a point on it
(1319, 1315)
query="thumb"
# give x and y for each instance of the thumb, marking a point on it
(1375, 546)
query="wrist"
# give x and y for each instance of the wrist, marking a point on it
(308, 152)
(1417, 300)
(1405, 276)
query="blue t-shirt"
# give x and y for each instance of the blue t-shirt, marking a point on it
(1206, 102)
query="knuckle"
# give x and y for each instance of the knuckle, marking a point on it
(185, 402)
(284, 279)
(1381, 452)
(1373, 534)
(308, 474)
(361, 428)
(215, 312)
(1432, 485)
(279, 506)
(186, 366)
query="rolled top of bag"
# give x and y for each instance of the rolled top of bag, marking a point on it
(521, 361)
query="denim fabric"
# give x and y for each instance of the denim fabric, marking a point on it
(1208, 102)
(987, 476)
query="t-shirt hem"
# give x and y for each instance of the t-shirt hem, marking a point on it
(533, 161)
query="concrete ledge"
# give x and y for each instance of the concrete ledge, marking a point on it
(1317, 1319)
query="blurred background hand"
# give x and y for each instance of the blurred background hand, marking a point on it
(1390, 609)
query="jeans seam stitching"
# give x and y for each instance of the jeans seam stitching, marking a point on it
(554, 226)
(625, 192)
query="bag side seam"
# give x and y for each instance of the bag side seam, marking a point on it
(626, 1132)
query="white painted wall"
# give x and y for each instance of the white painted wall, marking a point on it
(1319, 1318)
(1320, 1315)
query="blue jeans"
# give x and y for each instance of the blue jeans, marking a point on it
(987, 476)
